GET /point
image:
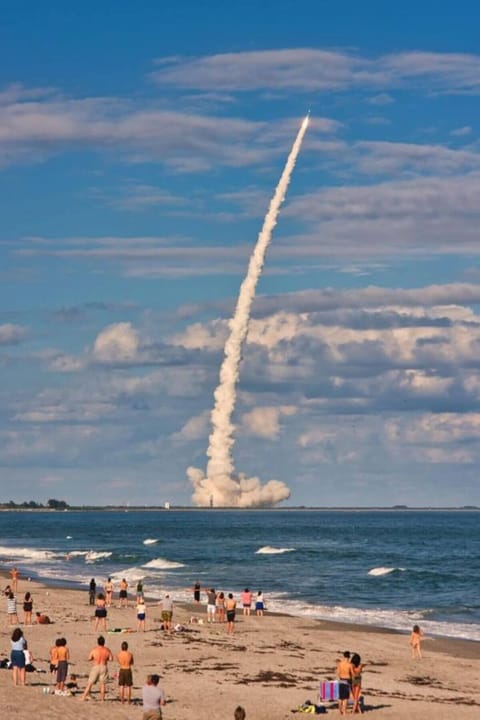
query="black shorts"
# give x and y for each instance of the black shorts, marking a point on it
(230, 615)
(123, 594)
(125, 677)
(343, 691)
(196, 595)
(100, 613)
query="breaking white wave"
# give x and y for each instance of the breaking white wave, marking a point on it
(379, 571)
(150, 541)
(16, 553)
(162, 564)
(268, 550)
(92, 556)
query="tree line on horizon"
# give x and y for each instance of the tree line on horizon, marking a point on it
(51, 504)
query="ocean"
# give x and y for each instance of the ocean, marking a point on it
(386, 568)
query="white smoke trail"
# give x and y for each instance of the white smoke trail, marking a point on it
(219, 485)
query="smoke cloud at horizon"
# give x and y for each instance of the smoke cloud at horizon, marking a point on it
(220, 485)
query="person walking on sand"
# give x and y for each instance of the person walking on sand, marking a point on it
(416, 638)
(27, 609)
(17, 656)
(141, 614)
(123, 594)
(153, 698)
(125, 675)
(356, 669)
(101, 613)
(100, 656)
(230, 606)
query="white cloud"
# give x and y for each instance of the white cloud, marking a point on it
(116, 343)
(12, 334)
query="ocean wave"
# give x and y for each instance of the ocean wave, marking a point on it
(379, 571)
(16, 553)
(268, 550)
(150, 541)
(93, 556)
(162, 564)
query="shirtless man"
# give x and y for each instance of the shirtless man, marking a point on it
(344, 675)
(100, 657)
(123, 594)
(125, 678)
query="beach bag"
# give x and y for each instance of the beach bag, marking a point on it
(329, 690)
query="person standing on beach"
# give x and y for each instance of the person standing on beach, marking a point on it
(196, 592)
(211, 605)
(230, 606)
(356, 669)
(220, 605)
(141, 614)
(101, 613)
(123, 595)
(14, 574)
(167, 613)
(108, 592)
(246, 601)
(17, 656)
(92, 589)
(139, 590)
(416, 638)
(63, 656)
(153, 698)
(344, 675)
(125, 675)
(27, 609)
(100, 656)
(259, 604)
(12, 609)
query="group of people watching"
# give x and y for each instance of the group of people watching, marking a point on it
(222, 609)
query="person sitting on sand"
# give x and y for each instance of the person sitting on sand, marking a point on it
(100, 656)
(416, 638)
(125, 677)
(344, 675)
(153, 698)
(42, 619)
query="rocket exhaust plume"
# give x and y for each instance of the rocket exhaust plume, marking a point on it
(219, 486)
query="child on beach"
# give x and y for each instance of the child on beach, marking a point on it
(141, 614)
(259, 603)
(416, 638)
(101, 612)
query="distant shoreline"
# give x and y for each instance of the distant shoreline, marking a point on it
(190, 508)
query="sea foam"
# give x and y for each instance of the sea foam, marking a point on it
(162, 564)
(268, 550)
(379, 571)
(150, 541)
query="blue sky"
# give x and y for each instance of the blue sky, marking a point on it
(139, 147)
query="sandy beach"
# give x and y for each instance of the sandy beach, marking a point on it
(270, 666)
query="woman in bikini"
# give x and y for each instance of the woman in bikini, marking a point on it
(356, 668)
(416, 640)
(101, 612)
